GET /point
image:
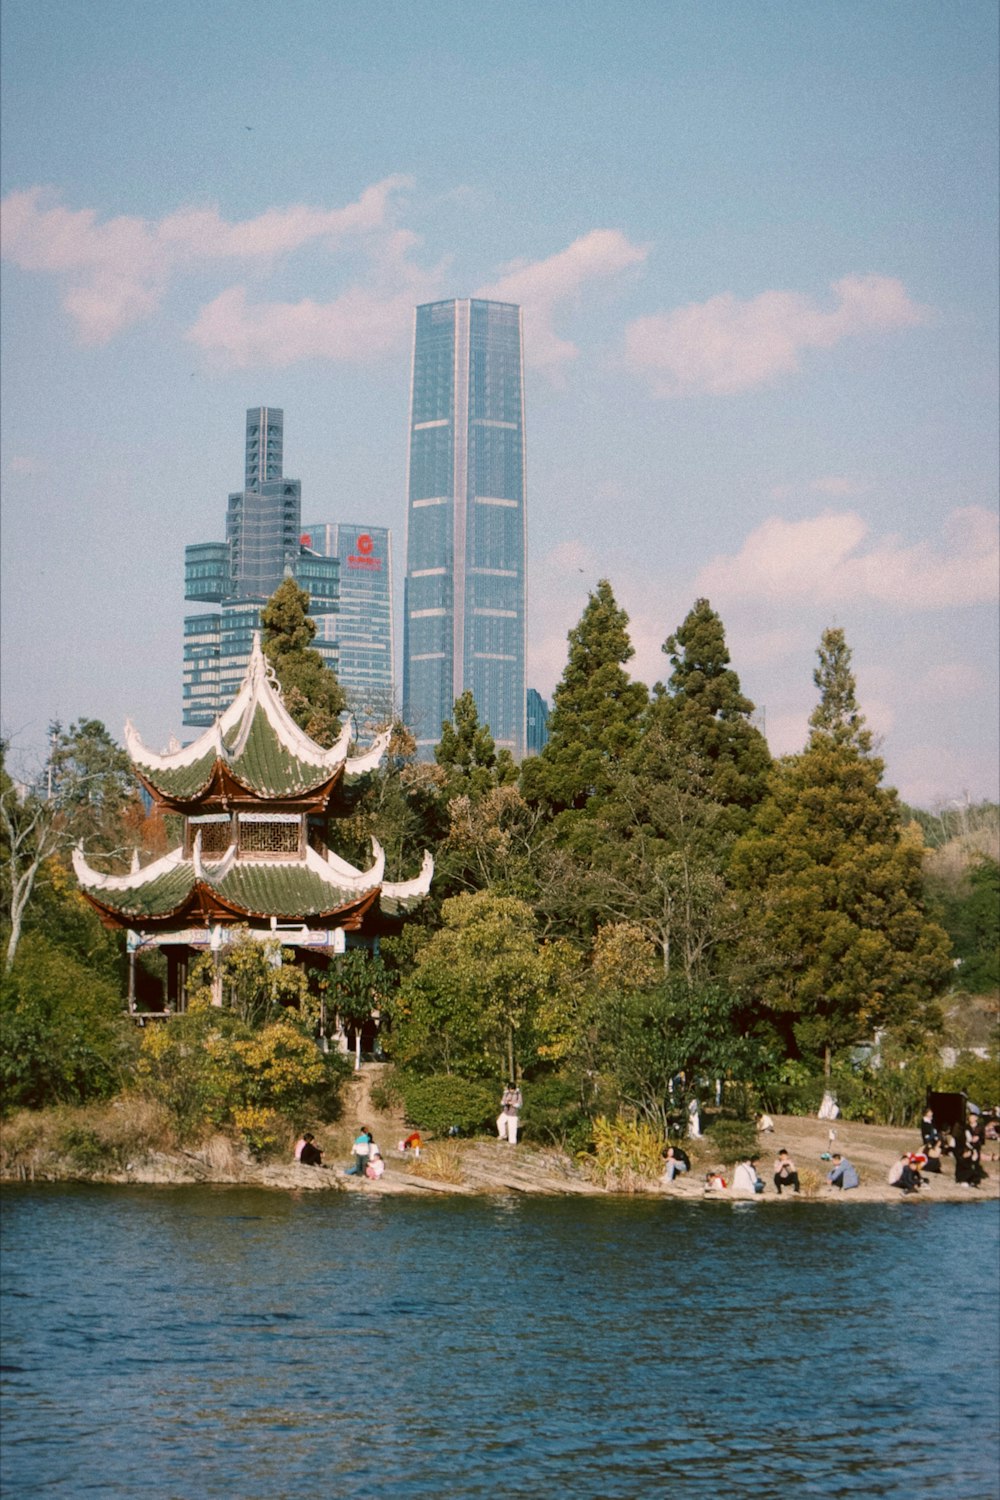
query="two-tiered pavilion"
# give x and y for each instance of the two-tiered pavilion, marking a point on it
(256, 794)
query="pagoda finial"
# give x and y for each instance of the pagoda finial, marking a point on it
(261, 667)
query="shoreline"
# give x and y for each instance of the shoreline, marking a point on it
(484, 1166)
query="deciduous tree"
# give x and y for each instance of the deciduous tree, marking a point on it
(472, 1001)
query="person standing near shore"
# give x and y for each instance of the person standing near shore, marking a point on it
(929, 1133)
(362, 1146)
(509, 1116)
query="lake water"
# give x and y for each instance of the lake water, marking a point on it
(205, 1342)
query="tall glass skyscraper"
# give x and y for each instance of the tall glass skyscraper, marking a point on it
(362, 626)
(263, 545)
(464, 614)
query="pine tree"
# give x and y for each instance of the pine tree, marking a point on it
(837, 713)
(468, 753)
(596, 714)
(837, 939)
(312, 694)
(705, 716)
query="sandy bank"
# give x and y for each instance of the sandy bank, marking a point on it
(488, 1166)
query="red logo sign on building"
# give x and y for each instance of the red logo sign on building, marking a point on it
(364, 559)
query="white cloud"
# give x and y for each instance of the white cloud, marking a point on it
(725, 345)
(117, 272)
(358, 325)
(541, 287)
(830, 559)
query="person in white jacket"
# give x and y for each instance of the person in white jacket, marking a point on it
(745, 1178)
(510, 1111)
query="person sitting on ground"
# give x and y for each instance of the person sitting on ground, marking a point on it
(904, 1175)
(933, 1162)
(310, 1155)
(376, 1166)
(714, 1181)
(413, 1143)
(746, 1179)
(675, 1162)
(929, 1133)
(765, 1125)
(785, 1174)
(842, 1174)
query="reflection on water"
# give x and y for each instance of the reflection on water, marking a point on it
(207, 1342)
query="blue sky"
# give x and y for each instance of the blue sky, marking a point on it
(756, 246)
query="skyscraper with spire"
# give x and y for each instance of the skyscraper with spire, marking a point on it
(464, 612)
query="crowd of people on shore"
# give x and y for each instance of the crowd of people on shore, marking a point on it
(910, 1172)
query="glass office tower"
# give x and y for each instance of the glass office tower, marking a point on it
(537, 728)
(263, 545)
(464, 613)
(362, 626)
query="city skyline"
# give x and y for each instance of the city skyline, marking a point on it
(264, 544)
(755, 248)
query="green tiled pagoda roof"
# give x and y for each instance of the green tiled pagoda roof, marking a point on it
(267, 766)
(265, 889)
(255, 746)
(182, 782)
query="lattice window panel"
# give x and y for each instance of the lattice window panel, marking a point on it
(215, 837)
(269, 838)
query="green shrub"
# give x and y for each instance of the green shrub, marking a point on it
(552, 1114)
(208, 1065)
(63, 1037)
(733, 1140)
(627, 1155)
(83, 1147)
(444, 1101)
(386, 1095)
(977, 1077)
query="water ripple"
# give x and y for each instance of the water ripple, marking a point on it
(219, 1343)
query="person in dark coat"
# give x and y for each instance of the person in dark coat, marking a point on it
(310, 1155)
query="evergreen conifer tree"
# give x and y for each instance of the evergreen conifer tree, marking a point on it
(837, 938)
(468, 752)
(596, 715)
(312, 694)
(705, 716)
